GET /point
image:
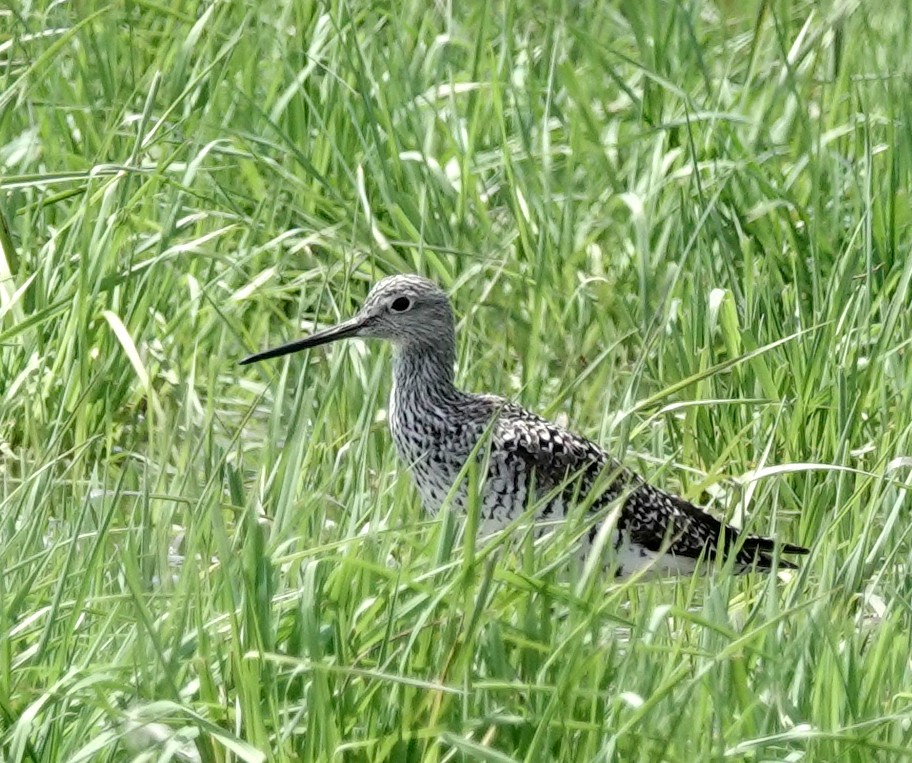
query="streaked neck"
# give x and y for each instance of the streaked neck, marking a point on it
(424, 371)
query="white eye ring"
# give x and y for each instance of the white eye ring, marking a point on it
(400, 304)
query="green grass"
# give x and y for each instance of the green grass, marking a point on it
(685, 227)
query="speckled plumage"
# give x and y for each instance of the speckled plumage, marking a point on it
(530, 461)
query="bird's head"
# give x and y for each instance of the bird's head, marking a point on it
(407, 310)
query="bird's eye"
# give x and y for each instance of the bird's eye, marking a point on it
(401, 304)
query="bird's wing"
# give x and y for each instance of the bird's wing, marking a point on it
(553, 454)
(658, 521)
(649, 517)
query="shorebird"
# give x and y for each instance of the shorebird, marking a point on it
(531, 463)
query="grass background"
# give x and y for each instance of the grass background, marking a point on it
(683, 226)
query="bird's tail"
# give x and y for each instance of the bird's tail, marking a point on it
(759, 552)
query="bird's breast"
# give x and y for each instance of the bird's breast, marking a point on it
(434, 442)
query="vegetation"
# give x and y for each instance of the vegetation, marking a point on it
(682, 226)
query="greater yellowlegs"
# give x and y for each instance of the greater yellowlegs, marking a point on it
(530, 462)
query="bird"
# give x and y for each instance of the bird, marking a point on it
(530, 463)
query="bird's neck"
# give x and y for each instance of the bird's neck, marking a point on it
(424, 372)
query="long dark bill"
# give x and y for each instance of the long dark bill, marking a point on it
(344, 330)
